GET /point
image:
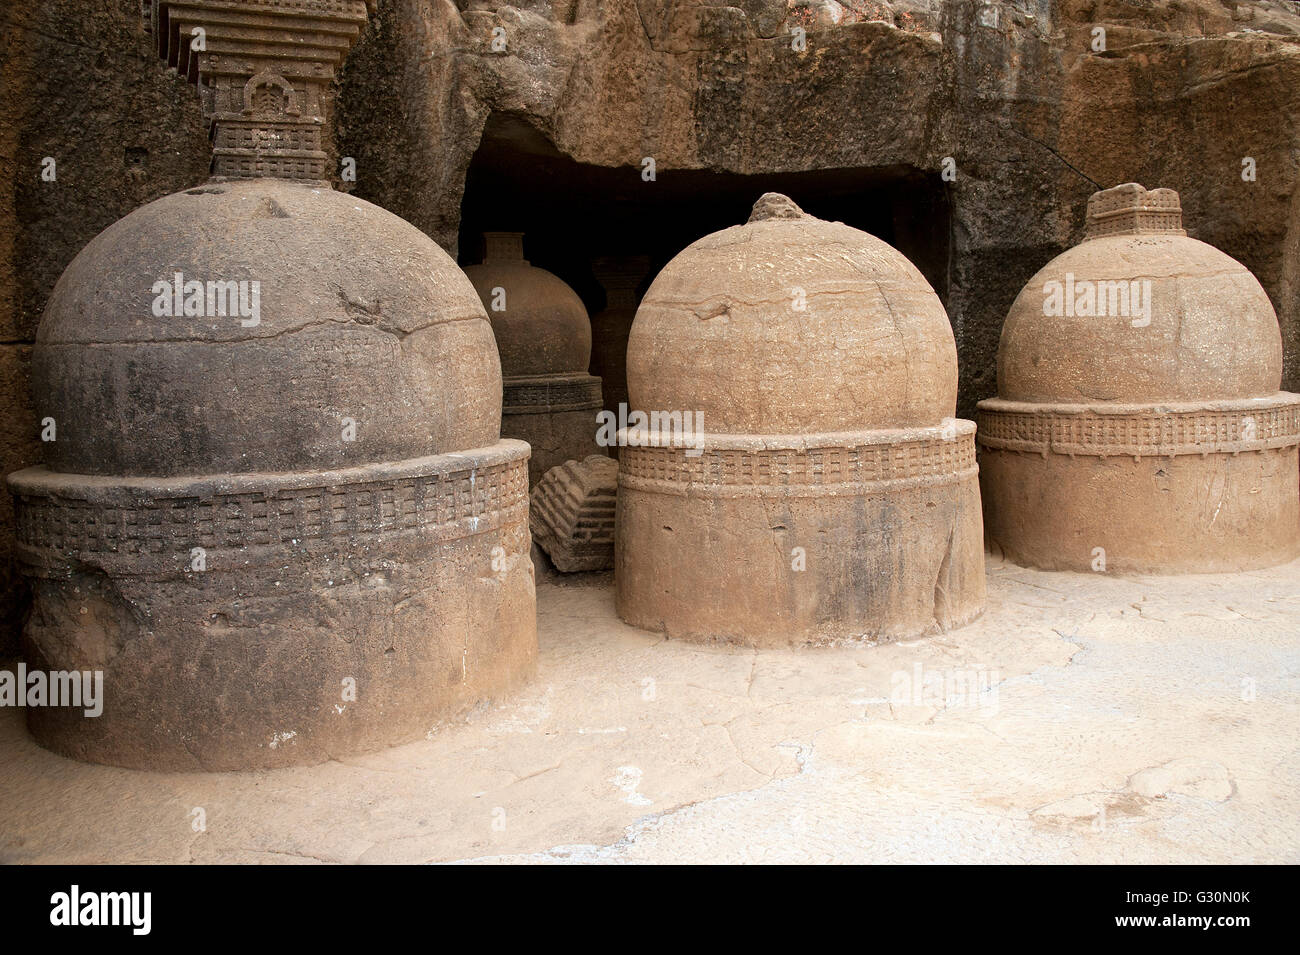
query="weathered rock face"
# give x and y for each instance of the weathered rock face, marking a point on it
(277, 513)
(822, 491)
(544, 338)
(1138, 424)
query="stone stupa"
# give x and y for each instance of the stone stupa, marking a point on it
(278, 514)
(1139, 424)
(824, 492)
(544, 337)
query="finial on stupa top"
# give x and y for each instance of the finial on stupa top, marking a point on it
(503, 247)
(773, 205)
(263, 69)
(1132, 210)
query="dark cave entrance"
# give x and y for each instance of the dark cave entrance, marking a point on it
(573, 214)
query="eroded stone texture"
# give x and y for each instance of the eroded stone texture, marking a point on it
(544, 338)
(826, 493)
(1138, 424)
(571, 514)
(280, 517)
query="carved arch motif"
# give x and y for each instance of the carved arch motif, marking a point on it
(269, 94)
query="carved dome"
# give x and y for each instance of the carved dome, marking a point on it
(541, 325)
(720, 331)
(1140, 312)
(360, 315)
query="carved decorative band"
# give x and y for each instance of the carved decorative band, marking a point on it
(231, 164)
(911, 458)
(1143, 222)
(444, 497)
(1135, 431)
(548, 394)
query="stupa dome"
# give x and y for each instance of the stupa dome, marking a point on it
(1149, 315)
(359, 315)
(540, 323)
(789, 324)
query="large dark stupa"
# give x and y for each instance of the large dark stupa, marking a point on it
(278, 514)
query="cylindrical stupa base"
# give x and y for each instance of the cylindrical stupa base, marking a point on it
(783, 541)
(1176, 488)
(556, 415)
(258, 621)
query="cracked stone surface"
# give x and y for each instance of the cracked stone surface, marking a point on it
(1083, 719)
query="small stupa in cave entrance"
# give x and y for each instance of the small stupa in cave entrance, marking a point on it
(278, 514)
(544, 338)
(1139, 424)
(620, 276)
(822, 491)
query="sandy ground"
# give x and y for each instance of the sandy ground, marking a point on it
(1083, 718)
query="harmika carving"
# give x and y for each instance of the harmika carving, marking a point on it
(264, 69)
